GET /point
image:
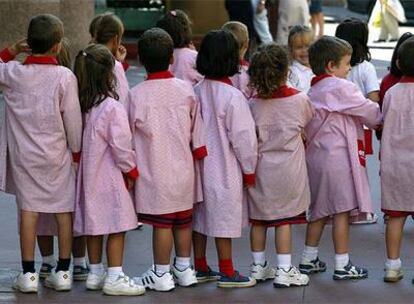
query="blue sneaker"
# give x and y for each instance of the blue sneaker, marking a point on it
(80, 273)
(45, 270)
(310, 267)
(236, 281)
(207, 276)
(350, 272)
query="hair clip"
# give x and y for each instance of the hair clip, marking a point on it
(173, 13)
(84, 53)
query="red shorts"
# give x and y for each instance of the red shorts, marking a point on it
(298, 219)
(181, 219)
(395, 213)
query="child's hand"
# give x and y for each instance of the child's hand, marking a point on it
(20, 46)
(75, 167)
(191, 46)
(121, 53)
(129, 183)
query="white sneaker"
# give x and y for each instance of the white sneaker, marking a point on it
(393, 275)
(185, 278)
(95, 281)
(151, 280)
(122, 286)
(27, 282)
(59, 281)
(292, 277)
(262, 273)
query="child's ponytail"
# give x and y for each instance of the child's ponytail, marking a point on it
(96, 80)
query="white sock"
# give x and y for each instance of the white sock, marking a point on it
(284, 261)
(97, 269)
(259, 257)
(49, 259)
(310, 253)
(182, 263)
(79, 262)
(114, 273)
(161, 269)
(393, 264)
(341, 260)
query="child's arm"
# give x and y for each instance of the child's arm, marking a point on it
(71, 115)
(119, 138)
(242, 135)
(198, 139)
(355, 104)
(9, 54)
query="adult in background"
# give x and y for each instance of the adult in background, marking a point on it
(261, 22)
(291, 13)
(386, 14)
(317, 18)
(242, 11)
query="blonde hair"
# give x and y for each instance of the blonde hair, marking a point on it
(64, 57)
(239, 30)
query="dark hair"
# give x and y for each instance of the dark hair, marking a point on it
(64, 57)
(218, 56)
(325, 50)
(356, 33)
(94, 69)
(108, 27)
(44, 32)
(268, 69)
(239, 30)
(177, 24)
(155, 50)
(93, 26)
(394, 70)
(296, 31)
(405, 57)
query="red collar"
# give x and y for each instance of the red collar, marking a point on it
(318, 78)
(284, 91)
(41, 60)
(226, 80)
(160, 75)
(407, 79)
(244, 62)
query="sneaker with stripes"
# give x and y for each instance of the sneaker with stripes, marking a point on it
(310, 267)
(350, 272)
(151, 280)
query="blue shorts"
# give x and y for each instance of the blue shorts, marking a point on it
(315, 7)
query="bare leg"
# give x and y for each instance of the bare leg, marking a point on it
(340, 232)
(313, 21)
(314, 232)
(65, 236)
(224, 249)
(79, 247)
(393, 236)
(200, 245)
(45, 243)
(321, 23)
(182, 241)
(28, 225)
(162, 242)
(95, 244)
(258, 238)
(283, 239)
(115, 249)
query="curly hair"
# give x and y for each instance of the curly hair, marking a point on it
(94, 69)
(177, 24)
(268, 69)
